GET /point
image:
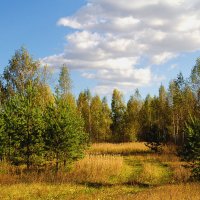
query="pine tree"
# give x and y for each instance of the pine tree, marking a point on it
(24, 126)
(65, 82)
(64, 135)
(191, 148)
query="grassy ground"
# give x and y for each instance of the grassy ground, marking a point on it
(80, 192)
(109, 171)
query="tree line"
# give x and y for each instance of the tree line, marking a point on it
(162, 117)
(38, 124)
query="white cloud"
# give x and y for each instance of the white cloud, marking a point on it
(112, 37)
(162, 57)
(69, 22)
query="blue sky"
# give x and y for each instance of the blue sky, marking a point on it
(106, 44)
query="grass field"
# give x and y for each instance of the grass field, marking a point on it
(108, 171)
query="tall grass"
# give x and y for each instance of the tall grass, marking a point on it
(97, 169)
(109, 171)
(121, 148)
(91, 169)
(153, 174)
(80, 192)
(171, 192)
(180, 172)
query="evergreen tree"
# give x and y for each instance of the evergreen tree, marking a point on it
(191, 148)
(24, 126)
(65, 82)
(64, 135)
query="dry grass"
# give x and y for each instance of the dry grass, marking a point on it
(180, 173)
(148, 171)
(164, 158)
(40, 191)
(173, 166)
(64, 192)
(153, 174)
(171, 192)
(92, 169)
(97, 169)
(78, 192)
(109, 171)
(122, 148)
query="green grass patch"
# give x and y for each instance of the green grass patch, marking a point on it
(149, 172)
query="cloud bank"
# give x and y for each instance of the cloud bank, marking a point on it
(111, 38)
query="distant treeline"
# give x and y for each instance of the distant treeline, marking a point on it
(37, 124)
(161, 117)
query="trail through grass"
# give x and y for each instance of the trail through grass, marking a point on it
(118, 171)
(149, 172)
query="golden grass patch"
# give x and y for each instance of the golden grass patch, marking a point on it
(171, 192)
(97, 169)
(121, 148)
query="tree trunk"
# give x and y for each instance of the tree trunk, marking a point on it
(57, 162)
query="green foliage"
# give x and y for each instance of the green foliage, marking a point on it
(153, 139)
(35, 125)
(3, 135)
(32, 121)
(21, 71)
(106, 120)
(83, 104)
(65, 82)
(96, 117)
(132, 127)
(191, 149)
(64, 134)
(24, 126)
(145, 116)
(153, 119)
(100, 120)
(118, 116)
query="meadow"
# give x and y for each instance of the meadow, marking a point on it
(108, 171)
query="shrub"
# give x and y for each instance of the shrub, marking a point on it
(191, 148)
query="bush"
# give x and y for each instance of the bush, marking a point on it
(191, 148)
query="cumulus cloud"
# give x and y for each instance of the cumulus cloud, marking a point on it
(112, 37)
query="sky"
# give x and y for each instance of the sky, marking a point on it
(107, 44)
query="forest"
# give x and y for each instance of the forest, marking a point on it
(43, 127)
